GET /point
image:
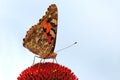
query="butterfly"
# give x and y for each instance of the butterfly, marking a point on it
(41, 37)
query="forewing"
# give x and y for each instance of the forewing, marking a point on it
(41, 38)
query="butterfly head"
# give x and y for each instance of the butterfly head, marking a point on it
(53, 55)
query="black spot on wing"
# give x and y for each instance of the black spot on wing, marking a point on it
(49, 20)
(44, 29)
(53, 24)
(48, 34)
(52, 38)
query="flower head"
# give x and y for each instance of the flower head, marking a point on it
(47, 71)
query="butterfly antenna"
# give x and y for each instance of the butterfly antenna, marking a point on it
(67, 47)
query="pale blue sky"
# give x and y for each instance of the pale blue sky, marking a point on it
(94, 24)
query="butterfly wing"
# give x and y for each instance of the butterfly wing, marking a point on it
(41, 38)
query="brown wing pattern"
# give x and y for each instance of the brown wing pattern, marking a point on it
(41, 38)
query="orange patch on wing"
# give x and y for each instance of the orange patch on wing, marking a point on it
(48, 27)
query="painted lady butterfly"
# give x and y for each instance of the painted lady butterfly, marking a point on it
(41, 37)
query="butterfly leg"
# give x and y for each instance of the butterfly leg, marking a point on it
(54, 60)
(41, 60)
(34, 59)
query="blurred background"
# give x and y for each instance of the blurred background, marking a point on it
(94, 24)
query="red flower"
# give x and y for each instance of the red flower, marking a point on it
(47, 71)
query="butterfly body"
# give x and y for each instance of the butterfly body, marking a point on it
(41, 37)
